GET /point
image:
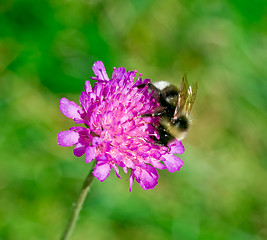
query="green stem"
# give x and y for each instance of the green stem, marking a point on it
(78, 205)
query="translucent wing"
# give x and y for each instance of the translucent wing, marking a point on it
(192, 93)
(186, 98)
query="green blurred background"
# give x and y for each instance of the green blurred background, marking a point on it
(47, 49)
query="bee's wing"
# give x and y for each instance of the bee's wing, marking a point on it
(186, 98)
(192, 93)
(182, 97)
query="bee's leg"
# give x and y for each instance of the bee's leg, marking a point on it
(145, 84)
(154, 114)
(142, 85)
(164, 136)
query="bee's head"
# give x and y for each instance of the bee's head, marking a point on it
(181, 123)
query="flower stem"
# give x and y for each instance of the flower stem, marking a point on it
(78, 205)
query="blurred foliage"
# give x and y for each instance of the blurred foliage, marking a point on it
(47, 49)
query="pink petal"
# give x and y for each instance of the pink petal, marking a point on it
(97, 141)
(101, 172)
(131, 180)
(116, 169)
(118, 73)
(176, 147)
(98, 89)
(158, 165)
(70, 109)
(100, 71)
(90, 154)
(88, 87)
(79, 149)
(147, 181)
(147, 178)
(172, 162)
(85, 101)
(67, 138)
(132, 75)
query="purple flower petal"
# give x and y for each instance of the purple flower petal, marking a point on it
(100, 71)
(118, 73)
(79, 149)
(67, 138)
(176, 147)
(85, 101)
(172, 162)
(98, 88)
(146, 177)
(90, 154)
(88, 87)
(85, 137)
(132, 177)
(70, 109)
(116, 169)
(97, 141)
(102, 171)
(158, 165)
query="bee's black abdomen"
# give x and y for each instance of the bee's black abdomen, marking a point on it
(181, 123)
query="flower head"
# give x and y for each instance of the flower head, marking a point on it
(115, 134)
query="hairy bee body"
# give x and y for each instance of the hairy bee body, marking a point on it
(175, 105)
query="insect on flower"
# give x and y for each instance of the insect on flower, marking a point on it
(174, 109)
(114, 134)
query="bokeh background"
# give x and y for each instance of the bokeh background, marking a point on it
(47, 49)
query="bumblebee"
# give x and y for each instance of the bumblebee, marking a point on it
(174, 108)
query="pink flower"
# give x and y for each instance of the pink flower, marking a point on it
(115, 134)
